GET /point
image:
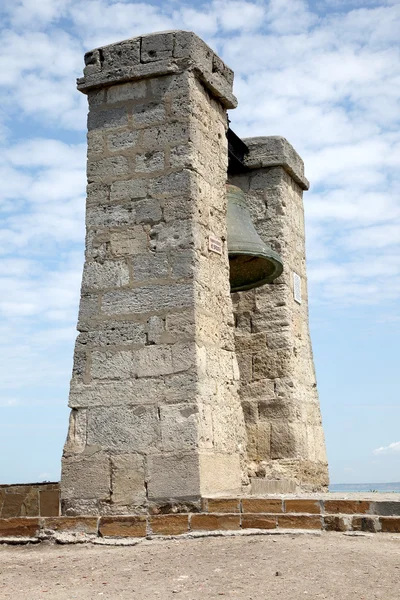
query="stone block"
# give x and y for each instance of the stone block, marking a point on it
(124, 140)
(181, 325)
(119, 393)
(154, 360)
(258, 522)
(96, 98)
(86, 525)
(95, 143)
(76, 438)
(169, 524)
(49, 502)
(334, 523)
(19, 527)
(134, 90)
(148, 211)
(114, 333)
(271, 365)
(122, 526)
(89, 308)
(278, 408)
(127, 429)
(220, 473)
(286, 439)
(148, 299)
(157, 47)
(221, 505)
(386, 508)
(388, 524)
(106, 216)
(173, 476)
(101, 276)
(131, 189)
(179, 427)
(112, 365)
(302, 506)
(109, 167)
(86, 475)
(250, 343)
(131, 242)
(299, 522)
(12, 505)
(262, 505)
(156, 330)
(149, 114)
(355, 507)
(149, 162)
(188, 45)
(127, 479)
(111, 118)
(208, 522)
(121, 55)
(369, 524)
(97, 193)
(151, 266)
(159, 136)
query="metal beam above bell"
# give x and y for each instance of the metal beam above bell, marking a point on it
(237, 151)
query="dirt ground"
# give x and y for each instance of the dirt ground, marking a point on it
(330, 565)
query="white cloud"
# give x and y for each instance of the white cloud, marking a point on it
(393, 448)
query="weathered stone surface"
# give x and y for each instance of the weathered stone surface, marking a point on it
(129, 242)
(144, 299)
(86, 475)
(261, 505)
(169, 524)
(76, 524)
(258, 522)
(27, 527)
(346, 506)
(114, 333)
(113, 365)
(122, 526)
(110, 274)
(151, 266)
(127, 479)
(126, 429)
(206, 522)
(302, 506)
(173, 476)
(118, 393)
(123, 140)
(134, 90)
(299, 522)
(221, 505)
(107, 168)
(107, 119)
(49, 502)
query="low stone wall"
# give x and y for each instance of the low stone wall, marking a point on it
(30, 500)
(216, 515)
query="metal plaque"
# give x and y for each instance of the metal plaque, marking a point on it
(215, 244)
(297, 287)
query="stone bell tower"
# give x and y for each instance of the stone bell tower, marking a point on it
(154, 393)
(156, 410)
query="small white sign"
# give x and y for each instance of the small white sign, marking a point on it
(215, 244)
(297, 287)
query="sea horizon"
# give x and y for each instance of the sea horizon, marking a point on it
(365, 487)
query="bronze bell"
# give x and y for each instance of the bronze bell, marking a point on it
(252, 263)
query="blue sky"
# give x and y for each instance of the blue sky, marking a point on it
(324, 74)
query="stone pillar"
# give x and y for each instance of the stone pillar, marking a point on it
(286, 447)
(155, 414)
